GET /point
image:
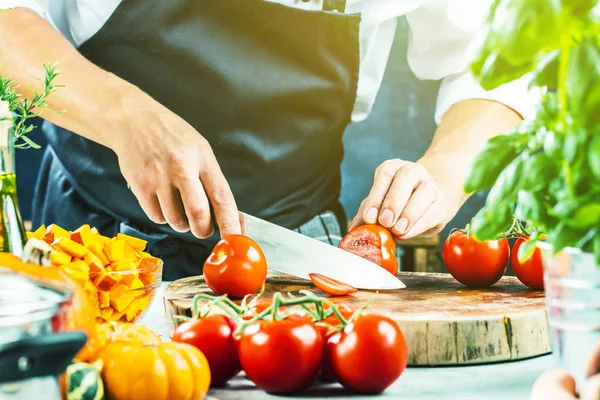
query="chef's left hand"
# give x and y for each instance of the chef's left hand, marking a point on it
(406, 199)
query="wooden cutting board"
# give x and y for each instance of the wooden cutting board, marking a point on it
(444, 322)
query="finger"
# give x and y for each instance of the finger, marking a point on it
(197, 208)
(405, 182)
(555, 385)
(220, 196)
(430, 220)
(416, 207)
(150, 205)
(384, 176)
(591, 389)
(172, 208)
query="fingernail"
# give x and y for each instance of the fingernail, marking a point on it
(402, 225)
(386, 218)
(371, 216)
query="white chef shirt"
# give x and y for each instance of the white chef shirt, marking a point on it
(444, 36)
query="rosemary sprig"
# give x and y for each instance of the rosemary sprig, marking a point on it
(26, 109)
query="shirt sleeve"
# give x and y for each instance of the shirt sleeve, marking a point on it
(41, 7)
(443, 42)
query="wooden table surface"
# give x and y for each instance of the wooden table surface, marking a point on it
(498, 381)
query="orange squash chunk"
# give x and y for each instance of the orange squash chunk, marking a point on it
(39, 233)
(106, 313)
(119, 304)
(78, 266)
(103, 299)
(133, 281)
(132, 310)
(80, 276)
(126, 264)
(143, 254)
(106, 282)
(115, 250)
(147, 279)
(148, 262)
(54, 232)
(83, 235)
(136, 244)
(96, 249)
(58, 257)
(70, 247)
(94, 262)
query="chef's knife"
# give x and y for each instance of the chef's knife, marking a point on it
(295, 254)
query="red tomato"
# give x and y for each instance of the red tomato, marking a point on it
(331, 286)
(281, 356)
(237, 266)
(368, 355)
(530, 272)
(473, 263)
(213, 336)
(373, 243)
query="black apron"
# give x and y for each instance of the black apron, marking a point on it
(270, 87)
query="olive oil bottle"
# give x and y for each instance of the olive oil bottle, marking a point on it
(12, 230)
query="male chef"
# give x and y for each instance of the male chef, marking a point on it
(178, 108)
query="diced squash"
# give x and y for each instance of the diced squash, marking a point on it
(132, 281)
(116, 316)
(119, 291)
(54, 232)
(58, 257)
(115, 250)
(132, 310)
(89, 286)
(94, 230)
(148, 262)
(96, 266)
(147, 279)
(39, 233)
(83, 236)
(106, 281)
(103, 299)
(96, 249)
(78, 266)
(136, 244)
(106, 313)
(80, 276)
(70, 247)
(120, 303)
(126, 264)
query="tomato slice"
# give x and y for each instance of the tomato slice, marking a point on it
(330, 285)
(374, 243)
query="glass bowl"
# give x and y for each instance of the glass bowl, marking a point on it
(125, 295)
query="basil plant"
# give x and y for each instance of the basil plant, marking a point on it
(546, 172)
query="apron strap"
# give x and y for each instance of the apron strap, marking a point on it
(334, 5)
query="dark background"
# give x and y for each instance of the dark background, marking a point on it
(400, 126)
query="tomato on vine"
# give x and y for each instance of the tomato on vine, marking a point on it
(473, 263)
(531, 270)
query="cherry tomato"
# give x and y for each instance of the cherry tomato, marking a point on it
(474, 263)
(373, 243)
(368, 355)
(281, 356)
(237, 266)
(213, 336)
(530, 272)
(331, 286)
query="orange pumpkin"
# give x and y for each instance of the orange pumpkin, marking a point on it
(163, 371)
(81, 314)
(110, 332)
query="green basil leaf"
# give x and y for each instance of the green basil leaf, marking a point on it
(564, 236)
(553, 144)
(570, 147)
(583, 81)
(539, 170)
(505, 188)
(492, 70)
(588, 238)
(594, 155)
(489, 223)
(529, 208)
(581, 7)
(487, 166)
(585, 217)
(545, 73)
(521, 29)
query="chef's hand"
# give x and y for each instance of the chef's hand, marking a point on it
(406, 199)
(559, 385)
(173, 171)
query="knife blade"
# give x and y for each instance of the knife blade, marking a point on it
(295, 254)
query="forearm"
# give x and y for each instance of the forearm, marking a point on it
(91, 96)
(460, 136)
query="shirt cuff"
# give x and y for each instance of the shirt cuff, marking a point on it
(515, 94)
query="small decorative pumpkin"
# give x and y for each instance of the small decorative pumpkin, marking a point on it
(164, 371)
(122, 332)
(82, 381)
(35, 263)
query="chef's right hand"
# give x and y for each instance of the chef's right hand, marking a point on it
(173, 171)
